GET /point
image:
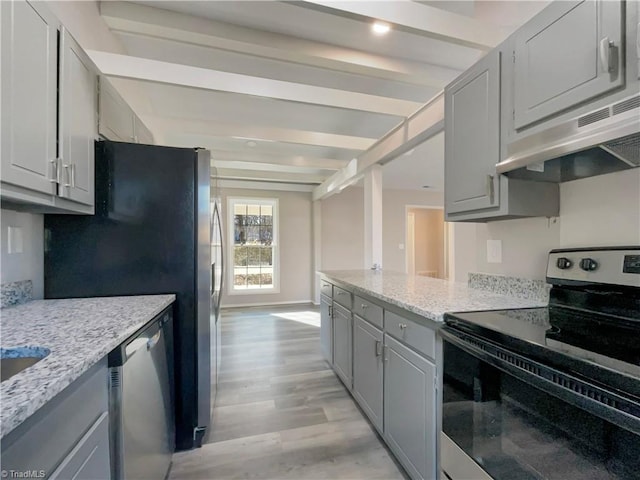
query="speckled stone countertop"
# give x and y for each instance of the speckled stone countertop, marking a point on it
(428, 297)
(78, 332)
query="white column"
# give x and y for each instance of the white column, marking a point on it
(373, 216)
(317, 249)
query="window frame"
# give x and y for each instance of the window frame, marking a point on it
(275, 244)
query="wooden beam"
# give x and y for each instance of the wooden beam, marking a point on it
(420, 19)
(136, 68)
(255, 132)
(159, 23)
(416, 129)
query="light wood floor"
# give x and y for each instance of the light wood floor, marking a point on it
(281, 413)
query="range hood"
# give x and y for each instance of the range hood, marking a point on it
(603, 141)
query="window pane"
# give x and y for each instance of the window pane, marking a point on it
(253, 280)
(267, 279)
(266, 212)
(266, 256)
(253, 235)
(240, 256)
(239, 280)
(239, 209)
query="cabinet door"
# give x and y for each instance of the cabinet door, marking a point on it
(326, 328)
(367, 369)
(115, 116)
(78, 121)
(29, 39)
(342, 344)
(410, 409)
(89, 459)
(569, 53)
(472, 137)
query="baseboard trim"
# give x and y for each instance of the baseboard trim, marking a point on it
(268, 304)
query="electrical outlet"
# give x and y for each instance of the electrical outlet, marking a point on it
(494, 251)
(401, 246)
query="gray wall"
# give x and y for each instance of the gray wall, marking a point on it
(296, 248)
(28, 265)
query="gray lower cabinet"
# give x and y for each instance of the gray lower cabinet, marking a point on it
(368, 369)
(68, 438)
(326, 328)
(410, 409)
(342, 337)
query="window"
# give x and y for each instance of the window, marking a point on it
(254, 240)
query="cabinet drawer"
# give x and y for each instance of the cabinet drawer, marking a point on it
(418, 336)
(326, 288)
(342, 297)
(367, 310)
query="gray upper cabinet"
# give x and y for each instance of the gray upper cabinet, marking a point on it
(49, 109)
(326, 328)
(410, 426)
(342, 352)
(568, 54)
(472, 137)
(78, 121)
(117, 121)
(29, 90)
(368, 369)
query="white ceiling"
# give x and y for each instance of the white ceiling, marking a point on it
(292, 91)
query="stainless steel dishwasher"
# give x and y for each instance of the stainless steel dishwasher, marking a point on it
(141, 424)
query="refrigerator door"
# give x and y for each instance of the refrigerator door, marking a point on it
(150, 235)
(204, 280)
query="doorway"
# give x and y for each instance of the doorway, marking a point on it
(427, 242)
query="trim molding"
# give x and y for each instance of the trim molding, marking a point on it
(269, 304)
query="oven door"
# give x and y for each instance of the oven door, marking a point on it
(507, 417)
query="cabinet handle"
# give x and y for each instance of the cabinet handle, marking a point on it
(402, 326)
(67, 169)
(54, 174)
(378, 348)
(330, 311)
(364, 306)
(73, 175)
(385, 353)
(341, 293)
(490, 188)
(606, 47)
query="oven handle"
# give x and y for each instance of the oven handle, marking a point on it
(605, 404)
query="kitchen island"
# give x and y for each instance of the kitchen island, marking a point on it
(379, 332)
(54, 414)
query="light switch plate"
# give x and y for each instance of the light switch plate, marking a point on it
(401, 246)
(15, 242)
(494, 251)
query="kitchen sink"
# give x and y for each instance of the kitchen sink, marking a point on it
(15, 360)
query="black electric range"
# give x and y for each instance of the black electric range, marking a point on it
(568, 373)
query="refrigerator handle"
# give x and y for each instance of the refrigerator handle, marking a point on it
(222, 272)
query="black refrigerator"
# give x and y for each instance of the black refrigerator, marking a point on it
(156, 230)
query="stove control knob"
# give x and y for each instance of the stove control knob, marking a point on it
(588, 264)
(563, 263)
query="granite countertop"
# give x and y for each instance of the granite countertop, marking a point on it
(78, 332)
(428, 297)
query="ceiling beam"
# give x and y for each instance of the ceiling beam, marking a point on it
(258, 133)
(419, 19)
(159, 23)
(416, 129)
(265, 185)
(136, 68)
(271, 167)
(258, 158)
(270, 176)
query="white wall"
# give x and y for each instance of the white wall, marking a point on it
(28, 265)
(296, 248)
(342, 238)
(394, 222)
(343, 227)
(596, 211)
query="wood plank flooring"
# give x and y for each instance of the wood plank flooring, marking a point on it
(281, 413)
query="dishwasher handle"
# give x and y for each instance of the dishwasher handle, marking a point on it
(153, 341)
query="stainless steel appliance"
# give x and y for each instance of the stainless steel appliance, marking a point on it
(549, 393)
(142, 433)
(152, 233)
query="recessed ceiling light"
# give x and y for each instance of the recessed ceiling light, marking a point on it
(251, 144)
(427, 186)
(380, 28)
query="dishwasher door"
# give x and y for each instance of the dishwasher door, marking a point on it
(141, 403)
